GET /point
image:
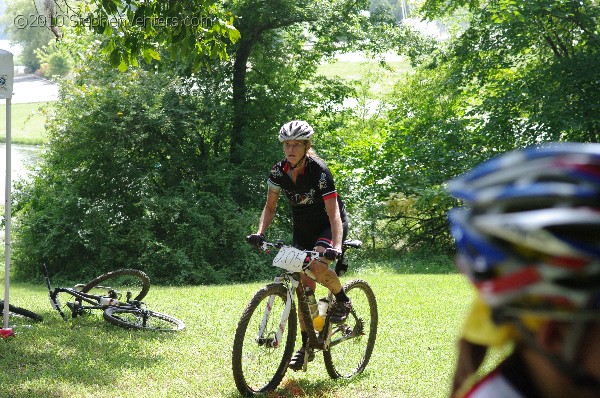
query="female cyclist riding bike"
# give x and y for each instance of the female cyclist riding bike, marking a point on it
(319, 218)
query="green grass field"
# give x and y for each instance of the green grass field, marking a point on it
(379, 80)
(27, 125)
(419, 318)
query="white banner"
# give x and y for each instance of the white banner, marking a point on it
(7, 72)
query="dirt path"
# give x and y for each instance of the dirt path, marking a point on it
(30, 88)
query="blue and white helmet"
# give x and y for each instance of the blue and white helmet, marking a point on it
(529, 235)
(296, 130)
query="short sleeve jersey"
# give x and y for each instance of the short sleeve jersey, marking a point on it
(510, 379)
(313, 187)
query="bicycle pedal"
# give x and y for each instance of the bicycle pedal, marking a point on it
(265, 341)
(304, 368)
(75, 308)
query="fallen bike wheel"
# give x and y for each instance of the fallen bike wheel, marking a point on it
(258, 361)
(120, 283)
(139, 318)
(13, 310)
(352, 342)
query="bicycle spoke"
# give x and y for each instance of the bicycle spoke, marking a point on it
(258, 360)
(142, 319)
(352, 342)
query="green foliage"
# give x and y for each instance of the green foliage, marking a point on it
(520, 73)
(55, 59)
(139, 29)
(24, 28)
(399, 9)
(126, 182)
(137, 174)
(164, 167)
(529, 69)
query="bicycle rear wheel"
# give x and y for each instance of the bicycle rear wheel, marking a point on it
(352, 342)
(139, 318)
(121, 282)
(22, 312)
(258, 363)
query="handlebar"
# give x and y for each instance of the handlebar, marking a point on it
(341, 265)
(266, 246)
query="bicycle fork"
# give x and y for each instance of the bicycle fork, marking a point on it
(53, 295)
(291, 285)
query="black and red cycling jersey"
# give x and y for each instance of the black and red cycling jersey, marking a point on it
(314, 185)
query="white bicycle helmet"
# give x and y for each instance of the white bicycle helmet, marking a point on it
(529, 237)
(296, 130)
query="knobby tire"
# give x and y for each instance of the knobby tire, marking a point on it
(116, 277)
(138, 318)
(258, 368)
(13, 309)
(348, 358)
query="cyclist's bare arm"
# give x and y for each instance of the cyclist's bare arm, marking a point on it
(335, 220)
(268, 213)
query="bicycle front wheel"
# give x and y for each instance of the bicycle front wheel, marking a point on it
(352, 342)
(258, 361)
(22, 312)
(123, 282)
(139, 318)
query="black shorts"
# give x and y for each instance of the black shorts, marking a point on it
(306, 240)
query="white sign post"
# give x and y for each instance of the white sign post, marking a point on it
(7, 71)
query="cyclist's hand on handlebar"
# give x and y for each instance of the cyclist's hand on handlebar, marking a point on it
(256, 239)
(331, 254)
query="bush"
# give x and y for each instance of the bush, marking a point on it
(124, 183)
(55, 60)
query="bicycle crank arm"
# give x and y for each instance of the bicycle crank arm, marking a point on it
(347, 334)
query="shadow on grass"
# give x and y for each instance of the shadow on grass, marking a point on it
(84, 351)
(291, 387)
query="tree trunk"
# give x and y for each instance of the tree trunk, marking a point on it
(239, 99)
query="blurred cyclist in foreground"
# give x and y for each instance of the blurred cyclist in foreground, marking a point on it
(528, 239)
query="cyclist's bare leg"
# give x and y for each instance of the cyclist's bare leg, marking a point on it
(326, 277)
(323, 274)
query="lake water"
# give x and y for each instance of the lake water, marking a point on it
(23, 158)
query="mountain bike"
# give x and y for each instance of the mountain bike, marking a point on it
(266, 333)
(118, 295)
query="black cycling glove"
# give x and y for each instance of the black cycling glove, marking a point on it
(256, 239)
(331, 254)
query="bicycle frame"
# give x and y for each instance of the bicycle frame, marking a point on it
(80, 297)
(292, 284)
(292, 281)
(76, 307)
(267, 331)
